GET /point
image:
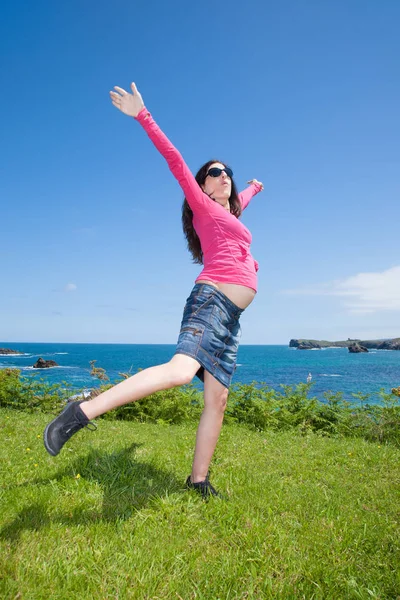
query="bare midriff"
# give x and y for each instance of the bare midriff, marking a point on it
(240, 295)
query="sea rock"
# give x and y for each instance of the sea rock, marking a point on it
(307, 346)
(303, 344)
(44, 364)
(354, 348)
(396, 391)
(389, 345)
(8, 351)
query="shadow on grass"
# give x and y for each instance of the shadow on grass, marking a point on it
(127, 486)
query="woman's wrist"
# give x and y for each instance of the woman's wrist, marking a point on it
(142, 113)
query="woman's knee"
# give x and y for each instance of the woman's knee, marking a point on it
(219, 401)
(224, 399)
(182, 369)
(181, 378)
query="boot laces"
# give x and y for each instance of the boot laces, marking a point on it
(75, 425)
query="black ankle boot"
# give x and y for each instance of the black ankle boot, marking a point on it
(204, 488)
(71, 420)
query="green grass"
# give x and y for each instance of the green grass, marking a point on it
(305, 516)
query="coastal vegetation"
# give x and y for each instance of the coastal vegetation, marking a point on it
(255, 405)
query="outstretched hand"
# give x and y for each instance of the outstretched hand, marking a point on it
(257, 182)
(129, 104)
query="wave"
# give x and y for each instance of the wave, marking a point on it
(333, 348)
(43, 369)
(29, 354)
(330, 348)
(85, 393)
(331, 375)
(325, 348)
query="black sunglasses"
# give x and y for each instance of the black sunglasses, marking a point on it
(216, 172)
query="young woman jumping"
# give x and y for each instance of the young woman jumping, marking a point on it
(209, 335)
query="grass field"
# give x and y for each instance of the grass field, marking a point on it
(304, 516)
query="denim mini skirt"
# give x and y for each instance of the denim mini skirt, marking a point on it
(210, 332)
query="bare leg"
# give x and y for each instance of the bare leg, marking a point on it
(179, 370)
(215, 399)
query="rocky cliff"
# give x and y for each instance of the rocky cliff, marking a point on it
(303, 344)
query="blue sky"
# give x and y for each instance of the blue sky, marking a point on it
(303, 96)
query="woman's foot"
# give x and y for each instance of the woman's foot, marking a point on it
(204, 488)
(60, 429)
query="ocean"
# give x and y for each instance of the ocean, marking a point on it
(332, 369)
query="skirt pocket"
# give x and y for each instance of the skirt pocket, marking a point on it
(190, 338)
(204, 302)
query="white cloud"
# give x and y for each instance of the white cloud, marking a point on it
(70, 287)
(365, 293)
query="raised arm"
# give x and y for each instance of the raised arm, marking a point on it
(133, 105)
(248, 193)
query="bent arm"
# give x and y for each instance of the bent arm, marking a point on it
(248, 194)
(194, 195)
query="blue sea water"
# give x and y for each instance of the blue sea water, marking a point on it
(332, 369)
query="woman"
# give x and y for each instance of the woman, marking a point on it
(209, 335)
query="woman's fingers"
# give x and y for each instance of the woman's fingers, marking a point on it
(129, 103)
(115, 99)
(256, 181)
(120, 90)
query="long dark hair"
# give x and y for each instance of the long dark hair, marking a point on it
(192, 238)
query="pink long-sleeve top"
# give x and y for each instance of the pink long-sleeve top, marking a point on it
(224, 240)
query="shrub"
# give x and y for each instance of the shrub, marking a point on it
(255, 405)
(31, 393)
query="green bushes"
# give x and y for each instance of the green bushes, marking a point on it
(264, 408)
(31, 393)
(172, 406)
(255, 405)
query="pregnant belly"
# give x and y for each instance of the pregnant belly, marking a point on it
(240, 295)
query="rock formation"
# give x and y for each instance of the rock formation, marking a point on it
(354, 348)
(44, 364)
(303, 344)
